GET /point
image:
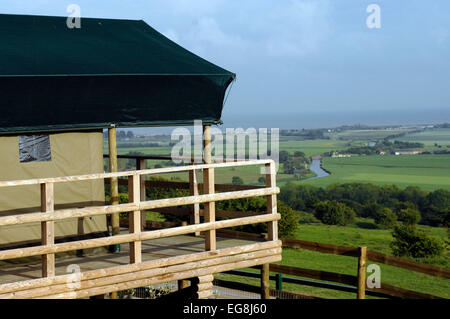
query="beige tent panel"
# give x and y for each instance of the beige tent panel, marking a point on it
(71, 154)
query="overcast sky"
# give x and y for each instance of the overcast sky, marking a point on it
(293, 56)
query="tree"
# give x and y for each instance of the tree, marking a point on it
(371, 210)
(334, 213)
(385, 218)
(408, 242)
(408, 216)
(236, 180)
(299, 154)
(262, 180)
(283, 156)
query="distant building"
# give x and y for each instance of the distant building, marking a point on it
(340, 155)
(407, 152)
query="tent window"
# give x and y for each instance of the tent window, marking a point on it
(34, 148)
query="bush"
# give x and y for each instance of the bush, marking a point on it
(288, 223)
(408, 216)
(334, 213)
(236, 180)
(385, 218)
(408, 242)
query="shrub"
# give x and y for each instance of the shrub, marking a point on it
(334, 213)
(408, 216)
(409, 242)
(236, 180)
(385, 218)
(288, 223)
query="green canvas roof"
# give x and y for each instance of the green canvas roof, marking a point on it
(108, 72)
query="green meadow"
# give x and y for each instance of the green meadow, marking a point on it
(429, 172)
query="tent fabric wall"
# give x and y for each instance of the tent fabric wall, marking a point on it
(72, 153)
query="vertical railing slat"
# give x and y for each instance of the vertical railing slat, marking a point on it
(193, 191)
(208, 188)
(272, 227)
(140, 165)
(134, 196)
(48, 229)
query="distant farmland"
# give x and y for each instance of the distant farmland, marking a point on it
(429, 172)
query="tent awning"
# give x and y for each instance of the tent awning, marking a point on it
(108, 72)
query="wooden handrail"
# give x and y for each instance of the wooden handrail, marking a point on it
(153, 171)
(147, 205)
(141, 236)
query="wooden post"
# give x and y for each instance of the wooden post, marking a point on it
(279, 282)
(272, 227)
(193, 191)
(114, 190)
(140, 164)
(362, 273)
(134, 224)
(208, 188)
(265, 281)
(47, 229)
(114, 183)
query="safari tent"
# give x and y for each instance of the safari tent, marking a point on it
(60, 87)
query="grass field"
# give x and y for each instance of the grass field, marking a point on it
(429, 172)
(429, 138)
(368, 135)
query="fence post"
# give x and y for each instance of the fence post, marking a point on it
(279, 282)
(47, 229)
(265, 281)
(362, 273)
(134, 196)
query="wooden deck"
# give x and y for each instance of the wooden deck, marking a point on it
(151, 250)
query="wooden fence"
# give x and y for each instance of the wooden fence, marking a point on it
(353, 283)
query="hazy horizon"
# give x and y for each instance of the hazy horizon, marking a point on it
(303, 56)
(318, 120)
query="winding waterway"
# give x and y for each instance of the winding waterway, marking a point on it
(317, 168)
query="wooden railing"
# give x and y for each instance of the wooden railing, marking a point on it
(115, 279)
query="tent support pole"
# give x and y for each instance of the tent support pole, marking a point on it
(114, 190)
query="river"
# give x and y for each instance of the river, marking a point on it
(316, 168)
